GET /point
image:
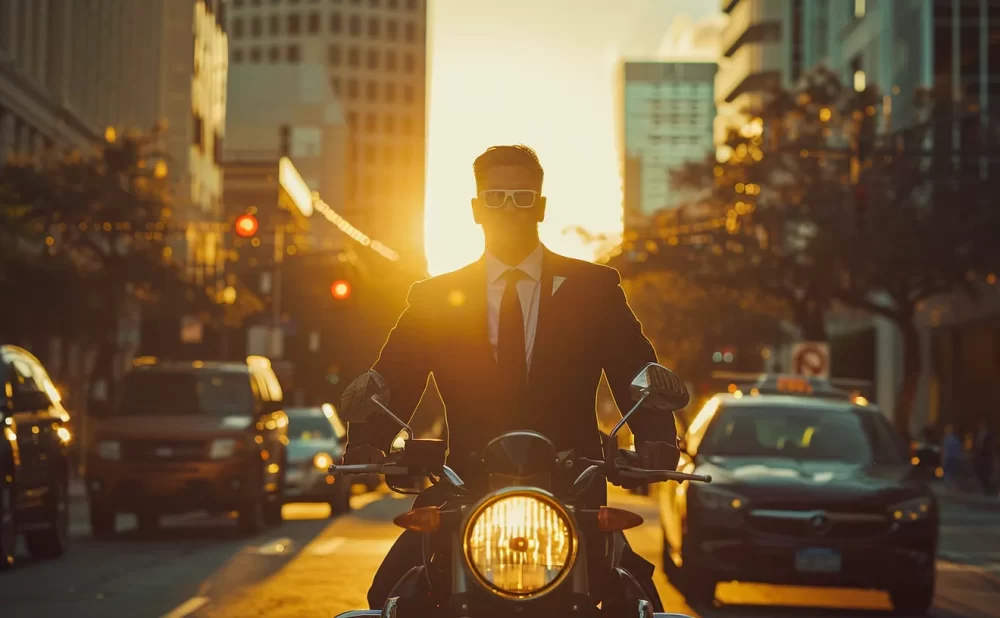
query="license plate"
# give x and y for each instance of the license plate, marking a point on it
(817, 561)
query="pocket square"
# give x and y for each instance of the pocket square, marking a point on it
(556, 282)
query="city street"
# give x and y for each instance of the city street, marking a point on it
(314, 566)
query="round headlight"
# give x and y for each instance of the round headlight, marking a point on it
(520, 544)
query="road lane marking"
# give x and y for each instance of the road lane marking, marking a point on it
(325, 547)
(187, 607)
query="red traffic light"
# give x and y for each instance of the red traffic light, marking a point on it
(245, 226)
(340, 289)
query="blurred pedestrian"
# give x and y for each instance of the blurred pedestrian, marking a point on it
(954, 454)
(984, 455)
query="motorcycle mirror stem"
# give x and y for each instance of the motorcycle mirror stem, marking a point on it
(385, 410)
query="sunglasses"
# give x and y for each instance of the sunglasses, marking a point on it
(496, 198)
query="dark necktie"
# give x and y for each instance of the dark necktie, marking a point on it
(511, 361)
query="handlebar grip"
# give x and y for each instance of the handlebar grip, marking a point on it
(356, 469)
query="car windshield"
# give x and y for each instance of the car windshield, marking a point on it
(802, 433)
(309, 427)
(158, 393)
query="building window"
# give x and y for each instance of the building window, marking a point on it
(373, 59)
(254, 2)
(374, 3)
(411, 32)
(335, 85)
(371, 92)
(198, 138)
(354, 26)
(369, 153)
(353, 57)
(273, 55)
(352, 89)
(389, 124)
(352, 119)
(237, 4)
(407, 124)
(237, 56)
(390, 60)
(336, 23)
(255, 55)
(373, 27)
(390, 92)
(371, 123)
(293, 54)
(393, 4)
(333, 55)
(217, 149)
(237, 28)
(314, 23)
(412, 5)
(408, 93)
(391, 29)
(275, 24)
(255, 27)
(294, 24)
(409, 64)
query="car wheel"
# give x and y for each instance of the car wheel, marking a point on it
(697, 588)
(8, 529)
(914, 600)
(53, 541)
(103, 521)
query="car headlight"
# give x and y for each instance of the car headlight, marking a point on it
(520, 544)
(222, 449)
(911, 510)
(322, 461)
(109, 449)
(716, 499)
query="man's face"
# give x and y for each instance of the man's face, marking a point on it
(512, 217)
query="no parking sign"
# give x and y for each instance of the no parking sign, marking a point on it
(811, 358)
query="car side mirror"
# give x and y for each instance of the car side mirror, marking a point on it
(356, 405)
(31, 401)
(659, 388)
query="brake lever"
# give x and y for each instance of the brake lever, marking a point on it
(667, 475)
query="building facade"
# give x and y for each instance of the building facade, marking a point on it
(375, 57)
(667, 115)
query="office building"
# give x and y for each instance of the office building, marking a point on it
(72, 68)
(374, 54)
(667, 113)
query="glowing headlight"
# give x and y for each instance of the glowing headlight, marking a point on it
(64, 435)
(322, 461)
(520, 544)
(911, 510)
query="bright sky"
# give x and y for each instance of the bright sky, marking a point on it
(542, 73)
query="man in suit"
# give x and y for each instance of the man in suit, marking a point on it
(516, 340)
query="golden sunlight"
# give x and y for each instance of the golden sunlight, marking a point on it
(541, 74)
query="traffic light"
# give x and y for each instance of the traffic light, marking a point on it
(340, 289)
(246, 225)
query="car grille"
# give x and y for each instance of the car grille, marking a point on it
(164, 450)
(818, 524)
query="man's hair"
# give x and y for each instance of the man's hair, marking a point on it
(515, 156)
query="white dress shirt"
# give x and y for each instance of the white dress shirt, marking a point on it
(528, 289)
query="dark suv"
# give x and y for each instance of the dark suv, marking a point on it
(190, 436)
(34, 462)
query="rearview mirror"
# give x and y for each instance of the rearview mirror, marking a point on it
(31, 401)
(660, 388)
(356, 405)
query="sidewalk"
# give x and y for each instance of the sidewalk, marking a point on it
(956, 496)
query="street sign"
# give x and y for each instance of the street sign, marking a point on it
(811, 358)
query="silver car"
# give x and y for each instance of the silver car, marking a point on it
(316, 439)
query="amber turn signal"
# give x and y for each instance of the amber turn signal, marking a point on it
(614, 520)
(424, 519)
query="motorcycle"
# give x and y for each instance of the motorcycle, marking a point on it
(523, 546)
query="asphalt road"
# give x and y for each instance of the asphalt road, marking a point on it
(314, 566)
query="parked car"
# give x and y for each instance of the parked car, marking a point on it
(34, 460)
(190, 436)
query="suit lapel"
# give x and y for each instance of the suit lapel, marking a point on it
(543, 332)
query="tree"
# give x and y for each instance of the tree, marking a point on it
(96, 226)
(806, 203)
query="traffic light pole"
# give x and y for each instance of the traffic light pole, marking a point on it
(279, 254)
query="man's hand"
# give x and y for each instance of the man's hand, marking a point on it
(631, 459)
(363, 454)
(658, 455)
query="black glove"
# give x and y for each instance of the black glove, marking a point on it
(363, 454)
(631, 458)
(658, 455)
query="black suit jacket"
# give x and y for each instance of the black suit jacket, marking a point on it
(585, 327)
